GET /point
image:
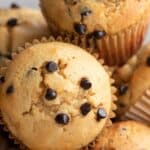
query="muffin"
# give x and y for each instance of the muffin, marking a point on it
(116, 28)
(124, 136)
(20, 25)
(134, 94)
(5, 144)
(56, 97)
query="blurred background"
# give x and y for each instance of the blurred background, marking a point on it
(25, 3)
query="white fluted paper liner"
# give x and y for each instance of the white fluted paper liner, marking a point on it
(140, 111)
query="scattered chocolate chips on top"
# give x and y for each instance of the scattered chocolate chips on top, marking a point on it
(12, 22)
(10, 89)
(51, 94)
(51, 67)
(101, 114)
(80, 28)
(85, 108)
(148, 61)
(14, 6)
(85, 84)
(2, 79)
(99, 34)
(62, 119)
(122, 89)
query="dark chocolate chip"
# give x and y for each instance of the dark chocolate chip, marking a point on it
(85, 108)
(34, 68)
(85, 84)
(101, 114)
(12, 22)
(122, 89)
(51, 67)
(62, 119)
(2, 79)
(51, 94)
(10, 89)
(80, 28)
(99, 34)
(14, 6)
(148, 61)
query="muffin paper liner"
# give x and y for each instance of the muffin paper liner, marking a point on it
(81, 42)
(118, 48)
(140, 111)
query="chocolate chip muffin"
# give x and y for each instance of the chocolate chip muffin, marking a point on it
(5, 144)
(59, 102)
(124, 136)
(134, 95)
(116, 28)
(20, 25)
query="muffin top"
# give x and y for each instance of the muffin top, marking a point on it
(98, 17)
(124, 136)
(56, 97)
(20, 25)
(135, 84)
(4, 62)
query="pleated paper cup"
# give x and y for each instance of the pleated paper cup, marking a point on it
(118, 48)
(140, 111)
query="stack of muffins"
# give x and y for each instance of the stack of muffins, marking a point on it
(77, 81)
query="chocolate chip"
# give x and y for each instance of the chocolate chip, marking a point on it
(12, 22)
(2, 79)
(85, 84)
(80, 28)
(51, 67)
(101, 114)
(99, 34)
(148, 61)
(34, 68)
(10, 89)
(85, 108)
(122, 89)
(51, 94)
(62, 119)
(14, 6)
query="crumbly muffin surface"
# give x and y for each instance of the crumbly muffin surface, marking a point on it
(55, 93)
(123, 136)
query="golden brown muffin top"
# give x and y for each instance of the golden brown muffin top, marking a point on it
(107, 16)
(127, 135)
(59, 93)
